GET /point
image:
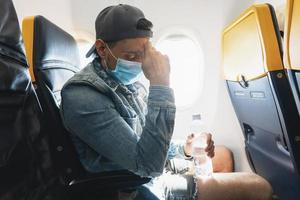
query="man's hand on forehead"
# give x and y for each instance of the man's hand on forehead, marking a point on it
(156, 66)
(149, 45)
(148, 48)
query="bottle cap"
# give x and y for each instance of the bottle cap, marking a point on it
(196, 117)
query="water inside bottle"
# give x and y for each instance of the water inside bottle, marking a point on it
(203, 164)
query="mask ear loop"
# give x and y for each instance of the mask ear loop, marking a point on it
(110, 52)
(105, 63)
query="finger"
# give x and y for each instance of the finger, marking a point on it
(212, 149)
(210, 146)
(208, 138)
(190, 138)
(167, 57)
(154, 49)
(147, 48)
(210, 143)
(211, 154)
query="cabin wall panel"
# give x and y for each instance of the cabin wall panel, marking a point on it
(57, 11)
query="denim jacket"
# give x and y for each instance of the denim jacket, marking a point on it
(115, 127)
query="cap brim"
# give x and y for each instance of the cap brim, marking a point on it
(91, 51)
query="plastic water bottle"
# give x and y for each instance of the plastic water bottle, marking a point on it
(203, 163)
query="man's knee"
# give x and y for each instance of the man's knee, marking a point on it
(223, 160)
(234, 186)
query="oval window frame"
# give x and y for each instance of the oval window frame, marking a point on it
(194, 36)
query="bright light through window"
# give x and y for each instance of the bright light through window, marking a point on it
(186, 61)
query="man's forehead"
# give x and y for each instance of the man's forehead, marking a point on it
(133, 44)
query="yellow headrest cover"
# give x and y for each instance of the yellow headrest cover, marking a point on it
(28, 35)
(250, 46)
(292, 35)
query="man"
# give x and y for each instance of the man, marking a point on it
(114, 123)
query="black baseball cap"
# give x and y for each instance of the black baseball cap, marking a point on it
(119, 22)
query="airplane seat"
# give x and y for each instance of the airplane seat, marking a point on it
(20, 136)
(54, 57)
(291, 47)
(262, 98)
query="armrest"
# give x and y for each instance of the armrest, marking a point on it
(114, 180)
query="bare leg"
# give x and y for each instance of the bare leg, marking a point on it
(234, 186)
(223, 160)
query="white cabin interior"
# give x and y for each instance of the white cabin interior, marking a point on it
(201, 21)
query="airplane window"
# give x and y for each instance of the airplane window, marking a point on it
(83, 47)
(186, 61)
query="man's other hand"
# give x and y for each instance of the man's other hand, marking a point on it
(188, 147)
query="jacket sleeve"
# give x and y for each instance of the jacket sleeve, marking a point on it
(93, 117)
(176, 150)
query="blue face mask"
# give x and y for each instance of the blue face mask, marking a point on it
(127, 72)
